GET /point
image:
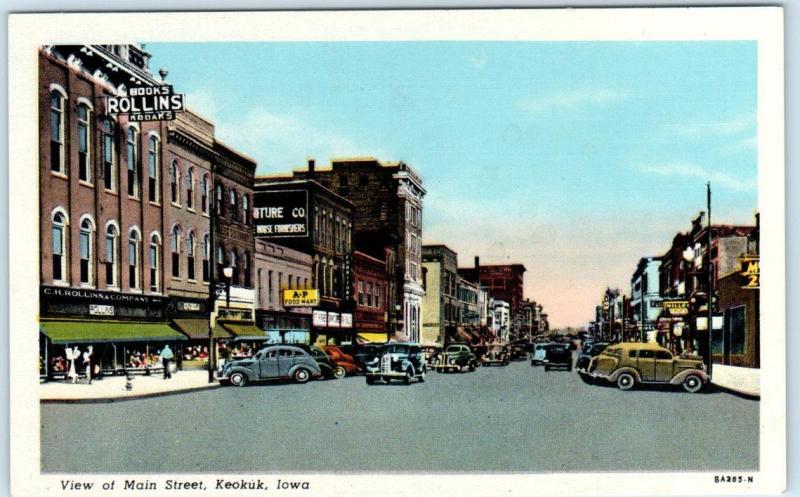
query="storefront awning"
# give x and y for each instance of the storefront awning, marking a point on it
(65, 332)
(373, 337)
(244, 331)
(197, 329)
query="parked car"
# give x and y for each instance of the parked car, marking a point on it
(362, 354)
(539, 352)
(558, 355)
(403, 361)
(431, 353)
(588, 351)
(456, 357)
(344, 363)
(326, 365)
(496, 354)
(629, 364)
(271, 363)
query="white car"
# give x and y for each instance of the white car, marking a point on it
(539, 353)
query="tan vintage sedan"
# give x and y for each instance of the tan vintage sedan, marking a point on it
(629, 364)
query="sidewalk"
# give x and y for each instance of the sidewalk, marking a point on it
(112, 388)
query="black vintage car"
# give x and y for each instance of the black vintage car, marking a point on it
(403, 361)
(362, 354)
(588, 351)
(519, 350)
(558, 355)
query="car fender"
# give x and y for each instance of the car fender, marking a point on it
(614, 375)
(314, 370)
(678, 378)
(249, 373)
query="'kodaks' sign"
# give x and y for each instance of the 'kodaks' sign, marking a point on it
(146, 103)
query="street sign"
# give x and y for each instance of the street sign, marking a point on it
(300, 298)
(676, 307)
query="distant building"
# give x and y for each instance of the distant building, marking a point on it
(500, 314)
(645, 296)
(440, 303)
(468, 313)
(502, 281)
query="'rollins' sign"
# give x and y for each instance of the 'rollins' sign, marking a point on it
(146, 103)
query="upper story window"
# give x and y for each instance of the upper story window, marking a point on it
(59, 247)
(191, 242)
(206, 258)
(219, 200)
(245, 209)
(84, 144)
(86, 250)
(132, 158)
(235, 266)
(155, 262)
(154, 169)
(204, 186)
(133, 259)
(234, 204)
(190, 188)
(57, 100)
(109, 157)
(246, 269)
(112, 249)
(175, 245)
(174, 183)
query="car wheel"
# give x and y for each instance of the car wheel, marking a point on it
(547, 367)
(422, 378)
(626, 381)
(569, 367)
(472, 366)
(370, 380)
(692, 383)
(238, 379)
(339, 372)
(301, 375)
(409, 376)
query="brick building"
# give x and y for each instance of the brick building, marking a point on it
(369, 289)
(502, 281)
(102, 216)
(308, 217)
(387, 213)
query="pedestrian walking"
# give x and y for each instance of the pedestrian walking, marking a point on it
(166, 357)
(87, 364)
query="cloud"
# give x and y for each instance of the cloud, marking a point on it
(285, 140)
(203, 102)
(698, 129)
(744, 145)
(685, 170)
(570, 99)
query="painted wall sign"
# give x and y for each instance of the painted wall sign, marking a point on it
(676, 307)
(281, 213)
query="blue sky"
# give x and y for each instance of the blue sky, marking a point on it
(574, 159)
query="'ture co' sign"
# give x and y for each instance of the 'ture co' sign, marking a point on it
(281, 213)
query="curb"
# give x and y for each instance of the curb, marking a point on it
(105, 400)
(735, 393)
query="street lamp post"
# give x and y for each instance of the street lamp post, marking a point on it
(710, 266)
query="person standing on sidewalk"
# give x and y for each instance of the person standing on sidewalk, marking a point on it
(87, 363)
(166, 357)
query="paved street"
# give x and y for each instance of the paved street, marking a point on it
(516, 418)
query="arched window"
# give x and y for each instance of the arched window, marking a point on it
(220, 261)
(57, 132)
(323, 277)
(246, 269)
(84, 144)
(109, 157)
(174, 182)
(191, 243)
(155, 262)
(175, 246)
(204, 194)
(133, 259)
(132, 158)
(112, 249)
(154, 169)
(245, 209)
(234, 211)
(86, 250)
(235, 267)
(59, 247)
(219, 199)
(206, 258)
(190, 188)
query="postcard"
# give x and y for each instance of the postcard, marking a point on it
(422, 252)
